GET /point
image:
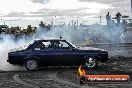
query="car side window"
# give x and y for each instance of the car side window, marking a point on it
(52, 45)
(39, 46)
(64, 45)
(47, 44)
(42, 45)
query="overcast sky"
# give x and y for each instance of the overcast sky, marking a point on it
(40, 9)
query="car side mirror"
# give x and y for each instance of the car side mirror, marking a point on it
(73, 48)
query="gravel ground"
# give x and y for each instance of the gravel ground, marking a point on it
(65, 77)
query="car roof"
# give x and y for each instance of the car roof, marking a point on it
(41, 40)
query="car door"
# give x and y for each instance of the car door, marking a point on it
(46, 54)
(66, 55)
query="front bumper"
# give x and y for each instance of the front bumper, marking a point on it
(9, 61)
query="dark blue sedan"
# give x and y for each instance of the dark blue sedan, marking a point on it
(56, 52)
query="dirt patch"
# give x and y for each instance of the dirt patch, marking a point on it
(58, 77)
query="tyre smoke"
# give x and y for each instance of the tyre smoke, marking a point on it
(6, 45)
(73, 34)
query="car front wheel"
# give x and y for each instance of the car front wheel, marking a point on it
(91, 62)
(31, 64)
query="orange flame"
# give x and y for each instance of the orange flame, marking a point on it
(81, 71)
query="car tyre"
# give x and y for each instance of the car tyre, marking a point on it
(31, 65)
(90, 63)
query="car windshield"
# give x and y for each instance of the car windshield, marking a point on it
(72, 44)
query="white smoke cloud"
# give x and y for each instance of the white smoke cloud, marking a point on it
(72, 34)
(40, 1)
(6, 45)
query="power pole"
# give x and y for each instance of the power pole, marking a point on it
(131, 7)
(100, 19)
(52, 22)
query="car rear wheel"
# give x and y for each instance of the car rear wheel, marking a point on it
(31, 65)
(91, 62)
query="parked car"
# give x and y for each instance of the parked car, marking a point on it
(56, 52)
